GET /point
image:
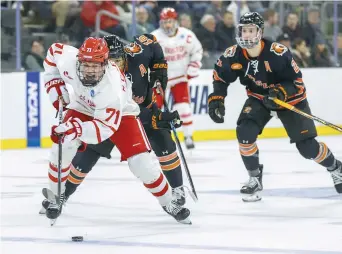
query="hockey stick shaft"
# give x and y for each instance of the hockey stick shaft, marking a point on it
(59, 164)
(187, 171)
(315, 118)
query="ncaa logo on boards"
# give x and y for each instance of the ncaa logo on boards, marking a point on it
(33, 109)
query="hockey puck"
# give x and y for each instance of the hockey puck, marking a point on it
(77, 238)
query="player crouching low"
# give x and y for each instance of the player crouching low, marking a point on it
(102, 108)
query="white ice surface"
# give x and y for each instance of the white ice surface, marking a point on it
(300, 211)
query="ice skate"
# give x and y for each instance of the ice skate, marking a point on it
(178, 212)
(336, 175)
(252, 188)
(189, 143)
(179, 194)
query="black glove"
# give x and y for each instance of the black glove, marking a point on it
(216, 108)
(275, 92)
(158, 72)
(162, 120)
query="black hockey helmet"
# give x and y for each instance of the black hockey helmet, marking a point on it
(254, 19)
(116, 49)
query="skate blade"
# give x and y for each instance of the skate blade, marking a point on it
(186, 221)
(52, 222)
(42, 211)
(252, 198)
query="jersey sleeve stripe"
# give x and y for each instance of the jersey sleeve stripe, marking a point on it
(112, 128)
(49, 63)
(51, 51)
(60, 46)
(97, 130)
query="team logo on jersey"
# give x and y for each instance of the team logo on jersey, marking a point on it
(255, 64)
(92, 93)
(133, 49)
(230, 52)
(278, 49)
(247, 109)
(67, 75)
(236, 66)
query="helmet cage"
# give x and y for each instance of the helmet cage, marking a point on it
(90, 73)
(248, 43)
(169, 31)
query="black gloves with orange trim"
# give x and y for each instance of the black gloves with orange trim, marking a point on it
(156, 119)
(216, 107)
(158, 72)
(163, 120)
(276, 92)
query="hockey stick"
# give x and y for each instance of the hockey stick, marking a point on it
(315, 118)
(187, 171)
(59, 164)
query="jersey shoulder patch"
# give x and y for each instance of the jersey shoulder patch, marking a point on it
(278, 49)
(146, 39)
(133, 49)
(230, 52)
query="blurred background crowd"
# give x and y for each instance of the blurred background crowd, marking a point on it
(311, 29)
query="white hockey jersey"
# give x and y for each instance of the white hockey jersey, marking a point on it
(183, 52)
(106, 102)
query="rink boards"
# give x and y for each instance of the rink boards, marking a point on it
(27, 114)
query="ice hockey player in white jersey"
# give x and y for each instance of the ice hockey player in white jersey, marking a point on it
(183, 52)
(102, 107)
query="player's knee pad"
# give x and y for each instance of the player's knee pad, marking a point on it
(144, 167)
(147, 169)
(308, 148)
(185, 113)
(247, 131)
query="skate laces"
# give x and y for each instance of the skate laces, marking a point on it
(55, 205)
(179, 192)
(337, 175)
(172, 207)
(253, 181)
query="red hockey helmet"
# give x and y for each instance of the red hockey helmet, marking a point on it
(168, 13)
(92, 60)
(93, 50)
(168, 21)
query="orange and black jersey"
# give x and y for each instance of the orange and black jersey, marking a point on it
(274, 66)
(141, 54)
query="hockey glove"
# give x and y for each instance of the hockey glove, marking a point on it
(193, 69)
(216, 108)
(158, 72)
(56, 88)
(275, 92)
(162, 120)
(69, 131)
